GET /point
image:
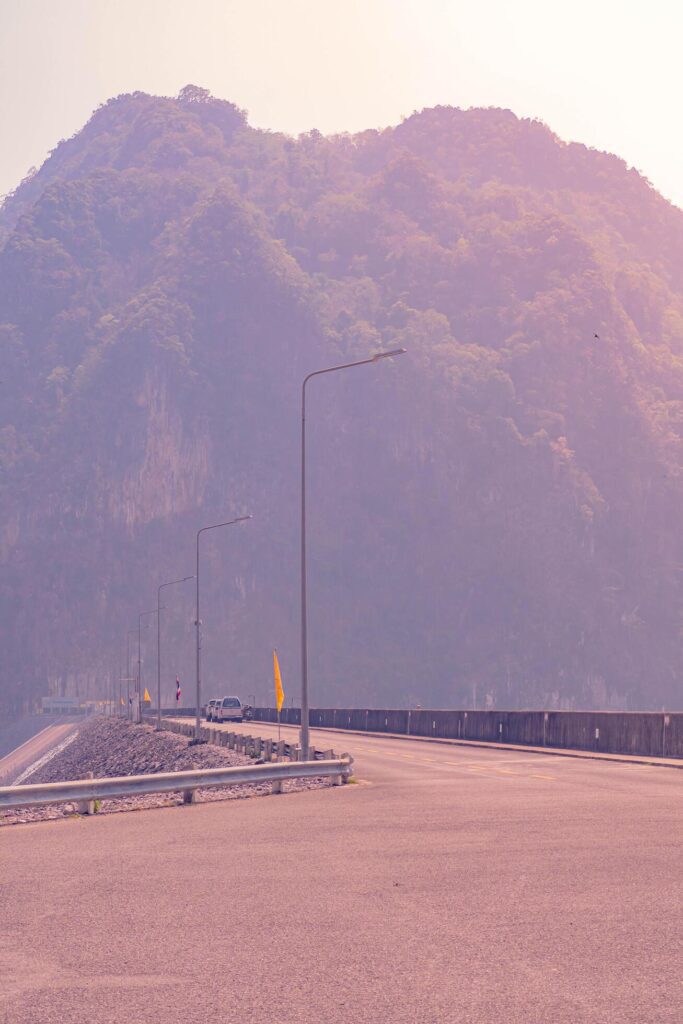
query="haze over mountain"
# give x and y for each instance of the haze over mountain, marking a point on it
(494, 518)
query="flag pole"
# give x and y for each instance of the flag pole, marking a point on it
(279, 692)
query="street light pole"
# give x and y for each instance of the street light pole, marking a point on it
(129, 680)
(159, 589)
(304, 730)
(140, 618)
(128, 675)
(204, 529)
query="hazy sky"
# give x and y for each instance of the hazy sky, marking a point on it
(603, 72)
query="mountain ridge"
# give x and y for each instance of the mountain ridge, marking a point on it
(166, 280)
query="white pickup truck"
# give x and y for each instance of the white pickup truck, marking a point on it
(228, 710)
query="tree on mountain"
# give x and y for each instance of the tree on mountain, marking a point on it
(194, 94)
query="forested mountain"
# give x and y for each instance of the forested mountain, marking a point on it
(494, 518)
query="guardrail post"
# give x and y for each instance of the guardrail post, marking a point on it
(189, 796)
(87, 806)
(276, 786)
(346, 773)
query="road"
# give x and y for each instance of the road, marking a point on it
(451, 884)
(21, 757)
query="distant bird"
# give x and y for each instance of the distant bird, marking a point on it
(597, 336)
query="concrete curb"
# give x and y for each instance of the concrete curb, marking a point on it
(587, 755)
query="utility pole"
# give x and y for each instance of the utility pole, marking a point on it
(159, 610)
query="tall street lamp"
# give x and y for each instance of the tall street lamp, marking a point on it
(304, 731)
(159, 589)
(139, 707)
(204, 529)
(129, 678)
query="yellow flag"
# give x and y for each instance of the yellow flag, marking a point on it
(279, 692)
(121, 700)
(147, 696)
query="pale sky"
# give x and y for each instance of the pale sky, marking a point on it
(604, 72)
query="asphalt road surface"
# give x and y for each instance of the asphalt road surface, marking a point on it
(450, 884)
(12, 764)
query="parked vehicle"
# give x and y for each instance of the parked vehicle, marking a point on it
(229, 709)
(247, 712)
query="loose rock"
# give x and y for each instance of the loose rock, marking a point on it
(114, 747)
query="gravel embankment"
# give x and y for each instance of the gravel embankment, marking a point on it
(110, 747)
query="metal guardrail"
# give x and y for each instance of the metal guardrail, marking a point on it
(85, 791)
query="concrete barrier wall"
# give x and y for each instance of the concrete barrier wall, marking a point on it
(673, 739)
(176, 712)
(650, 734)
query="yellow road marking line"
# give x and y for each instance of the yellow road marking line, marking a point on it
(550, 778)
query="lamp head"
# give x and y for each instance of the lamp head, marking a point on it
(387, 355)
